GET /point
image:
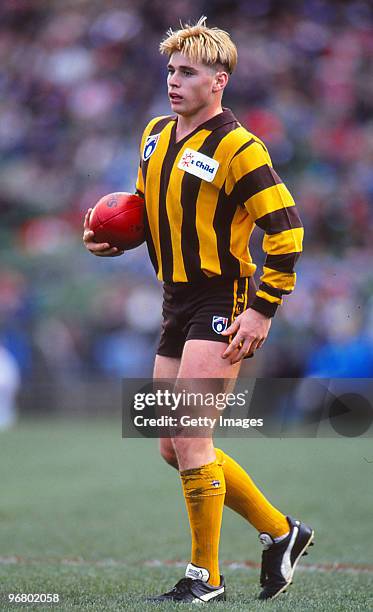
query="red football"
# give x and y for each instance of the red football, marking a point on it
(118, 218)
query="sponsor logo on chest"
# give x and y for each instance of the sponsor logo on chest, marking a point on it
(198, 164)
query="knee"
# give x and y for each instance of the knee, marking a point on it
(168, 454)
(193, 452)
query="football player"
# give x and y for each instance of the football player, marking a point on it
(206, 182)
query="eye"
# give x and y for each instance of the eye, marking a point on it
(187, 72)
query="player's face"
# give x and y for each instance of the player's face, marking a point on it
(190, 86)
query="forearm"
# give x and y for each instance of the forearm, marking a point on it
(283, 244)
(278, 279)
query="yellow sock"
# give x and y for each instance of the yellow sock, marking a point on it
(244, 497)
(204, 491)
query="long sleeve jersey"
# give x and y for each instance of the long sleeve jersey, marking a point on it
(204, 194)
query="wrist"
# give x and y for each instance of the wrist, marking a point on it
(267, 309)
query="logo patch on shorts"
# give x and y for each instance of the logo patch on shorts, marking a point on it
(150, 146)
(219, 324)
(198, 164)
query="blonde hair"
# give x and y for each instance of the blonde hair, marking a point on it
(201, 44)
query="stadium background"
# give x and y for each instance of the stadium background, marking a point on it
(78, 81)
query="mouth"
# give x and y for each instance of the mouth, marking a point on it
(174, 97)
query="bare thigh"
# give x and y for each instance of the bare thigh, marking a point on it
(202, 359)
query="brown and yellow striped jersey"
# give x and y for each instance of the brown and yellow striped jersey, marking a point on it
(204, 195)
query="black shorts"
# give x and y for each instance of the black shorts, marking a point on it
(201, 311)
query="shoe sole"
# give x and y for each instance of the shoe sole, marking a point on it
(308, 543)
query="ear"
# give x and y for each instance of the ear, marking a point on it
(220, 81)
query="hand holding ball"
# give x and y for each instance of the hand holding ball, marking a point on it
(118, 219)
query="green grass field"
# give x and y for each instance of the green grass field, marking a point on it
(86, 514)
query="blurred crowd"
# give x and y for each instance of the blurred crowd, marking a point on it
(78, 82)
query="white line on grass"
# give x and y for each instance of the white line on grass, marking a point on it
(346, 568)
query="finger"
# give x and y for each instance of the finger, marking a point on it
(241, 353)
(233, 346)
(88, 236)
(232, 329)
(110, 252)
(101, 247)
(94, 247)
(253, 346)
(87, 218)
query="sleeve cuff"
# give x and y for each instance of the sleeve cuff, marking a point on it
(268, 309)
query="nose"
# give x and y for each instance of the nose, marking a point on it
(173, 79)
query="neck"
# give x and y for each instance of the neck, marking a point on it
(186, 124)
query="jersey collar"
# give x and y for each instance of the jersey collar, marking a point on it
(226, 116)
(221, 119)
